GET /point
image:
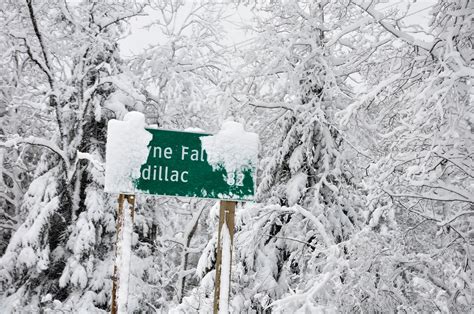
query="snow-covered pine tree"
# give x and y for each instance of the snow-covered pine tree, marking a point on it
(309, 201)
(60, 256)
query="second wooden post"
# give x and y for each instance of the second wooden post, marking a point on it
(225, 236)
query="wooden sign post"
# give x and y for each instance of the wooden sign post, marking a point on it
(120, 229)
(223, 271)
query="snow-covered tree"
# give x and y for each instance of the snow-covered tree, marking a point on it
(69, 75)
(310, 202)
(181, 71)
(418, 109)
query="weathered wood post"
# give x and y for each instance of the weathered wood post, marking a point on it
(226, 220)
(119, 246)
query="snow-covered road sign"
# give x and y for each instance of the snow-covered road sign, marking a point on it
(177, 166)
(173, 163)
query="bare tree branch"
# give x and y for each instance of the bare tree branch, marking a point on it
(40, 40)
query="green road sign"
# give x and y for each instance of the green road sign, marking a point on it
(177, 166)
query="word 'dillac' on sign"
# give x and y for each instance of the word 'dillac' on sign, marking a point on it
(173, 163)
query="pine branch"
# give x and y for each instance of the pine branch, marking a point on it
(32, 140)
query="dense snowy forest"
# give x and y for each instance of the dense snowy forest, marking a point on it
(365, 179)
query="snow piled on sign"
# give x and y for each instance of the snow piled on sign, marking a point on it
(194, 130)
(126, 151)
(232, 148)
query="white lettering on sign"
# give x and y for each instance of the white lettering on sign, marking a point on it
(240, 179)
(163, 173)
(184, 151)
(194, 155)
(233, 179)
(159, 152)
(182, 176)
(167, 153)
